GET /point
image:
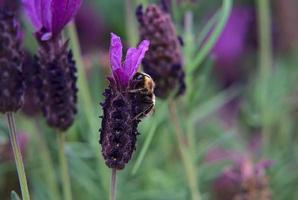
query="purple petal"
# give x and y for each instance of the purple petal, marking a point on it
(134, 58)
(115, 52)
(62, 12)
(39, 13)
(121, 77)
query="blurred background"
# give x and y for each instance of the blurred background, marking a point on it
(239, 113)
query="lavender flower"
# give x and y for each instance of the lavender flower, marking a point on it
(164, 60)
(90, 24)
(119, 121)
(245, 180)
(50, 16)
(233, 43)
(11, 55)
(56, 67)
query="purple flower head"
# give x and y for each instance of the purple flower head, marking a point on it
(123, 72)
(243, 179)
(50, 16)
(234, 42)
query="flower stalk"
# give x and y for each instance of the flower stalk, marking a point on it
(64, 168)
(189, 167)
(83, 87)
(113, 185)
(17, 156)
(265, 60)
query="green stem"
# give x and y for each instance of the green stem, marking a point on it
(84, 92)
(265, 60)
(144, 149)
(208, 27)
(113, 185)
(47, 163)
(264, 27)
(189, 167)
(18, 156)
(64, 168)
(131, 28)
(85, 96)
(226, 9)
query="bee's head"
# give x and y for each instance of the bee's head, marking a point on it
(138, 76)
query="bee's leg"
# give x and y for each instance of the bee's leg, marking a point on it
(147, 100)
(137, 90)
(144, 112)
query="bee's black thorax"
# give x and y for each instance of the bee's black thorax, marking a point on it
(141, 94)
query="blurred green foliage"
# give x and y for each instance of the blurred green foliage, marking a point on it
(156, 172)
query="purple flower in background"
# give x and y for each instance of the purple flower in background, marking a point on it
(233, 43)
(164, 60)
(244, 180)
(11, 59)
(56, 70)
(123, 72)
(91, 26)
(50, 16)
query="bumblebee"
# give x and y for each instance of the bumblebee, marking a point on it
(141, 91)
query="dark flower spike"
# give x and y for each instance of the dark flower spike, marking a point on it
(120, 121)
(12, 5)
(31, 106)
(56, 74)
(50, 16)
(164, 60)
(11, 57)
(57, 84)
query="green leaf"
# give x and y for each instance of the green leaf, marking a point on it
(206, 48)
(14, 196)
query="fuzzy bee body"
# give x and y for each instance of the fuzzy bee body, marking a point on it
(142, 92)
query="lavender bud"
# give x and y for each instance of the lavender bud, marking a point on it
(163, 62)
(57, 79)
(11, 55)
